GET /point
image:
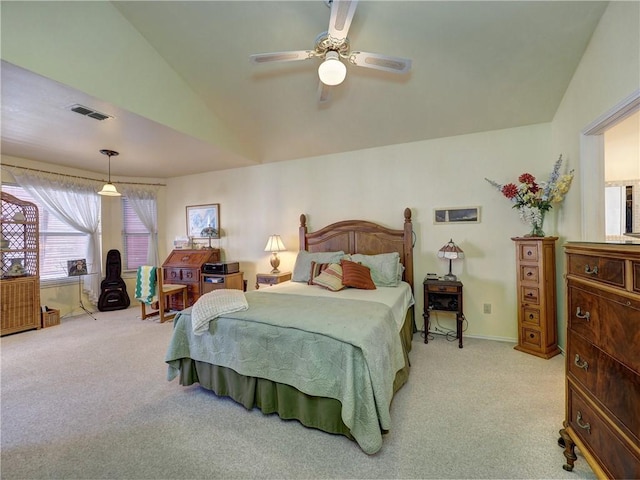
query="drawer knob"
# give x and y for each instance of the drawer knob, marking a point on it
(584, 316)
(529, 274)
(590, 271)
(580, 363)
(531, 316)
(581, 424)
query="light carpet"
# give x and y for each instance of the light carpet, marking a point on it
(89, 399)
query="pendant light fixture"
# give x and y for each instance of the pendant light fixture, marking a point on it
(109, 189)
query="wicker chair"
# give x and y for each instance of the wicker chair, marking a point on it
(153, 293)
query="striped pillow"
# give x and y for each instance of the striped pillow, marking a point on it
(330, 278)
(356, 275)
(316, 269)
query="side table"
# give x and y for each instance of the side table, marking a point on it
(212, 282)
(443, 296)
(271, 278)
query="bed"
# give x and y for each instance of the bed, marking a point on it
(330, 359)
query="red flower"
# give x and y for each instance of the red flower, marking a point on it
(510, 190)
(527, 178)
(530, 181)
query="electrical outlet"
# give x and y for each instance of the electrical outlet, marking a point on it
(487, 308)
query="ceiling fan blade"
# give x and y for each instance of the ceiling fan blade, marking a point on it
(324, 93)
(341, 15)
(380, 62)
(281, 56)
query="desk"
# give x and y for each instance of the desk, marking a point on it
(443, 296)
(184, 267)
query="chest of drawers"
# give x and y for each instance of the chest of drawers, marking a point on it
(536, 283)
(185, 266)
(603, 358)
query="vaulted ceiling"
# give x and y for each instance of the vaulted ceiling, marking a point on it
(477, 66)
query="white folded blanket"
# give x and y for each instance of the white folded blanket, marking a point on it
(214, 304)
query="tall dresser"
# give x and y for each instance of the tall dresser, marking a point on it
(603, 358)
(536, 275)
(19, 265)
(185, 267)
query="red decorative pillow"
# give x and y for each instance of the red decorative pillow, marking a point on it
(356, 275)
(316, 269)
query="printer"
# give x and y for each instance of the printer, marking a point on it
(221, 268)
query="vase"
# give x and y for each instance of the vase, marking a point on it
(536, 225)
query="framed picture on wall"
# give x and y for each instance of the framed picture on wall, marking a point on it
(200, 217)
(456, 215)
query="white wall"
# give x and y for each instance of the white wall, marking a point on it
(608, 73)
(622, 150)
(377, 185)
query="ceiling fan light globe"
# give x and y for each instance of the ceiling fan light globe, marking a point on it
(332, 71)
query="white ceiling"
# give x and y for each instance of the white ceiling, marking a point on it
(477, 66)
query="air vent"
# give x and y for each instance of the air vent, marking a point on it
(98, 116)
(82, 110)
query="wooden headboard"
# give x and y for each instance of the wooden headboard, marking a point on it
(360, 236)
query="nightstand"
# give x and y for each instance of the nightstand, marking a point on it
(271, 278)
(443, 296)
(211, 281)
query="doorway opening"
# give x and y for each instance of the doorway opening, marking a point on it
(597, 199)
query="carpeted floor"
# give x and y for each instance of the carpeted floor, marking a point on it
(89, 399)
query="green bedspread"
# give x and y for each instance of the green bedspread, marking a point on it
(348, 350)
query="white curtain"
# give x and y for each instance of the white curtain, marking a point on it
(144, 203)
(75, 202)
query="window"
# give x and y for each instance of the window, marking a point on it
(135, 238)
(59, 242)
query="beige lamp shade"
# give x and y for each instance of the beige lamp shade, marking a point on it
(109, 190)
(275, 245)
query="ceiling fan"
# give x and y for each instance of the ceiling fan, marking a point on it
(333, 48)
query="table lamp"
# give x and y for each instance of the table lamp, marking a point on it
(275, 245)
(209, 232)
(451, 252)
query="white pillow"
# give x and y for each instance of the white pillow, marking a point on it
(213, 305)
(302, 267)
(384, 267)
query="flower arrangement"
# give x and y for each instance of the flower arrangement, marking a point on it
(534, 199)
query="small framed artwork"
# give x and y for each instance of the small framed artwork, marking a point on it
(200, 217)
(456, 215)
(78, 267)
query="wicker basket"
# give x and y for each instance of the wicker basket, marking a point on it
(50, 318)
